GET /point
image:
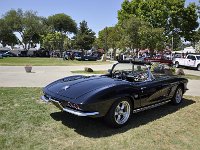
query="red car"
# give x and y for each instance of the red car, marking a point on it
(159, 59)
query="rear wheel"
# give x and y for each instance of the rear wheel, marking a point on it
(176, 64)
(178, 96)
(119, 113)
(198, 67)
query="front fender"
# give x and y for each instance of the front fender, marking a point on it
(102, 99)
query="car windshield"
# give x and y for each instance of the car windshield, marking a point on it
(131, 72)
(129, 67)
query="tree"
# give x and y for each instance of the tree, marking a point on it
(109, 37)
(63, 24)
(152, 38)
(27, 24)
(130, 32)
(102, 41)
(197, 47)
(6, 36)
(84, 38)
(173, 16)
(189, 23)
(52, 41)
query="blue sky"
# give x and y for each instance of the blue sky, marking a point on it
(97, 13)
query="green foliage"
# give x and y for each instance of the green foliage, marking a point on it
(189, 22)
(53, 41)
(62, 23)
(84, 38)
(173, 16)
(110, 37)
(6, 35)
(163, 69)
(8, 38)
(27, 24)
(130, 29)
(152, 38)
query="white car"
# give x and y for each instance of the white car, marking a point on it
(191, 60)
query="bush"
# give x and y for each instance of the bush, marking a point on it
(162, 68)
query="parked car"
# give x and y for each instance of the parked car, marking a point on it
(191, 60)
(1, 56)
(160, 59)
(88, 58)
(9, 54)
(128, 88)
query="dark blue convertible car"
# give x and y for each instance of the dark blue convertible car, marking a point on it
(129, 87)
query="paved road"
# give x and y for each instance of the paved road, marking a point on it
(15, 76)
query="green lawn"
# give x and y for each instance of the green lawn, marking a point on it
(26, 123)
(22, 61)
(191, 77)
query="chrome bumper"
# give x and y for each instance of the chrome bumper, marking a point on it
(72, 111)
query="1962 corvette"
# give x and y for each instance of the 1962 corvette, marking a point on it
(129, 87)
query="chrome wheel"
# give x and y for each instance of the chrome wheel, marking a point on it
(179, 95)
(122, 112)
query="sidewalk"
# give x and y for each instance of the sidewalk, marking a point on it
(15, 76)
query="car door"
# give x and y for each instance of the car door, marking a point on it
(154, 91)
(192, 61)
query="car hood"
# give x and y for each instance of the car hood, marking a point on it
(76, 86)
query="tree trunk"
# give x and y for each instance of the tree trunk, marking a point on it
(114, 53)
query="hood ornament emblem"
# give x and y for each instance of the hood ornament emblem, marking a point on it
(66, 87)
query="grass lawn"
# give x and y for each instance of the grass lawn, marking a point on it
(191, 77)
(22, 61)
(27, 123)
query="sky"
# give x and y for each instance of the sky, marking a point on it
(97, 13)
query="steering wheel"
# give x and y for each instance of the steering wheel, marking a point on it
(119, 74)
(116, 74)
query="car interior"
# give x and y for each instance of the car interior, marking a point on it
(137, 73)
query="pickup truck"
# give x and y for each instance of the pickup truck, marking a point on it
(191, 60)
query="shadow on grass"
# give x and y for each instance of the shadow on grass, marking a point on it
(97, 128)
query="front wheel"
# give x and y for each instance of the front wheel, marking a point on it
(119, 113)
(178, 96)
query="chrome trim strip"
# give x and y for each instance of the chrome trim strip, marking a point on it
(79, 113)
(75, 112)
(44, 99)
(151, 106)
